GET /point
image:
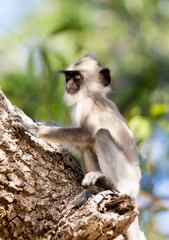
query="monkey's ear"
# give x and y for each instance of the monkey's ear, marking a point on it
(105, 73)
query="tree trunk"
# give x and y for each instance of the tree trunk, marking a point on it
(39, 179)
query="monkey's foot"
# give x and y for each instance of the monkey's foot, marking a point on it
(98, 179)
(91, 178)
(83, 197)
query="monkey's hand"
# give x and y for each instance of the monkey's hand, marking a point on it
(46, 123)
(18, 123)
(98, 179)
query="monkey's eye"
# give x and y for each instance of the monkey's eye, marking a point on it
(67, 77)
(77, 77)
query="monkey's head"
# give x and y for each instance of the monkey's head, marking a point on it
(85, 77)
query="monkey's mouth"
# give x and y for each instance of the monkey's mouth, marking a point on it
(72, 90)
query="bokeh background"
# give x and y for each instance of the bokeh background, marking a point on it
(131, 37)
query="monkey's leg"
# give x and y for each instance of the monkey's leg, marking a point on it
(114, 165)
(108, 155)
(93, 173)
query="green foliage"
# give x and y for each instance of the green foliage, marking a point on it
(131, 37)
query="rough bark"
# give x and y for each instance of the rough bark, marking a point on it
(38, 180)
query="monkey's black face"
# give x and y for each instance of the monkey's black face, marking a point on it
(73, 81)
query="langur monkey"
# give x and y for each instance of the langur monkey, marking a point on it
(105, 141)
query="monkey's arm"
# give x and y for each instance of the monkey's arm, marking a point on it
(68, 135)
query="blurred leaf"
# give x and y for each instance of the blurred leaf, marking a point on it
(159, 109)
(141, 127)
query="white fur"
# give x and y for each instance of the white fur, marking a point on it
(86, 91)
